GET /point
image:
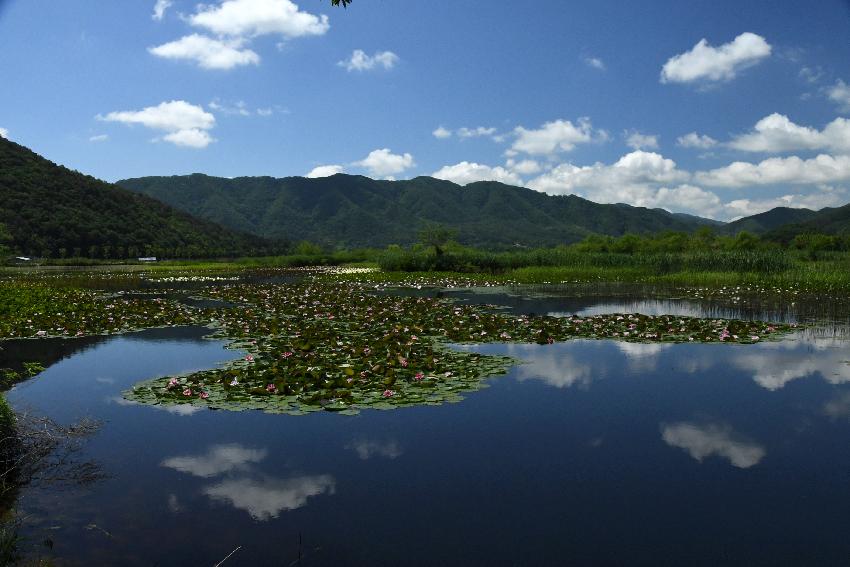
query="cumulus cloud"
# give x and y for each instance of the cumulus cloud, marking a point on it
(694, 140)
(252, 18)
(523, 167)
(777, 133)
(595, 63)
(217, 460)
(360, 61)
(823, 169)
(553, 137)
(707, 440)
(266, 498)
(4, 133)
(207, 52)
(839, 93)
(159, 9)
(706, 63)
(442, 133)
(324, 171)
(185, 124)
(383, 162)
(638, 141)
(469, 172)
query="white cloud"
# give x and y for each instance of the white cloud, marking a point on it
(694, 140)
(469, 172)
(839, 93)
(706, 63)
(383, 162)
(186, 124)
(359, 61)
(265, 112)
(638, 141)
(99, 138)
(773, 171)
(266, 498)
(368, 448)
(240, 108)
(634, 168)
(324, 171)
(553, 137)
(777, 133)
(191, 138)
(159, 9)
(441, 133)
(218, 460)
(475, 132)
(252, 18)
(595, 62)
(207, 52)
(706, 440)
(524, 167)
(4, 133)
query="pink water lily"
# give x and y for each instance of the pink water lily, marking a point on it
(388, 393)
(419, 376)
(271, 388)
(187, 392)
(249, 358)
(203, 395)
(172, 383)
(287, 354)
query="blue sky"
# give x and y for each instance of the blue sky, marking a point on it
(716, 108)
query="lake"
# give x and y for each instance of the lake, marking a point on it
(589, 452)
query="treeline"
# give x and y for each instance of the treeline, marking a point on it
(701, 251)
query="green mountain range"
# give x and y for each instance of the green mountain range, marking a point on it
(831, 220)
(356, 211)
(48, 210)
(767, 221)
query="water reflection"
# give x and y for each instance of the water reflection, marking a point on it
(218, 460)
(368, 448)
(265, 498)
(712, 439)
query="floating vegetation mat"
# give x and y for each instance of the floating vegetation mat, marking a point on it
(336, 346)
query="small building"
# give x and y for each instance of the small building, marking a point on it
(148, 259)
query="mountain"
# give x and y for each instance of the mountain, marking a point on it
(355, 211)
(49, 210)
(767, 221)
(831, 220)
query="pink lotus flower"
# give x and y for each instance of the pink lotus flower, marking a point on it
(203, 395)
(187, 392)
(249, 358)
(419, 376)
(388, 393)
(172, 383)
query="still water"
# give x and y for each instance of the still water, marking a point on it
(590, 452)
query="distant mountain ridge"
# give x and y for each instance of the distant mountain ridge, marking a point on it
(356, 211)
(768, 220)
(49, 210)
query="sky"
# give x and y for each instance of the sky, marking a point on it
(717, 108)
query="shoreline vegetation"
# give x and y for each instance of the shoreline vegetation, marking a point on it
(808, 262)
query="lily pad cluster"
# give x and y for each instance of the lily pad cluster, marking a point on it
(336, 346)
(30, 309)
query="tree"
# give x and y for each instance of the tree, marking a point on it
(343, 3)
(436, 235)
